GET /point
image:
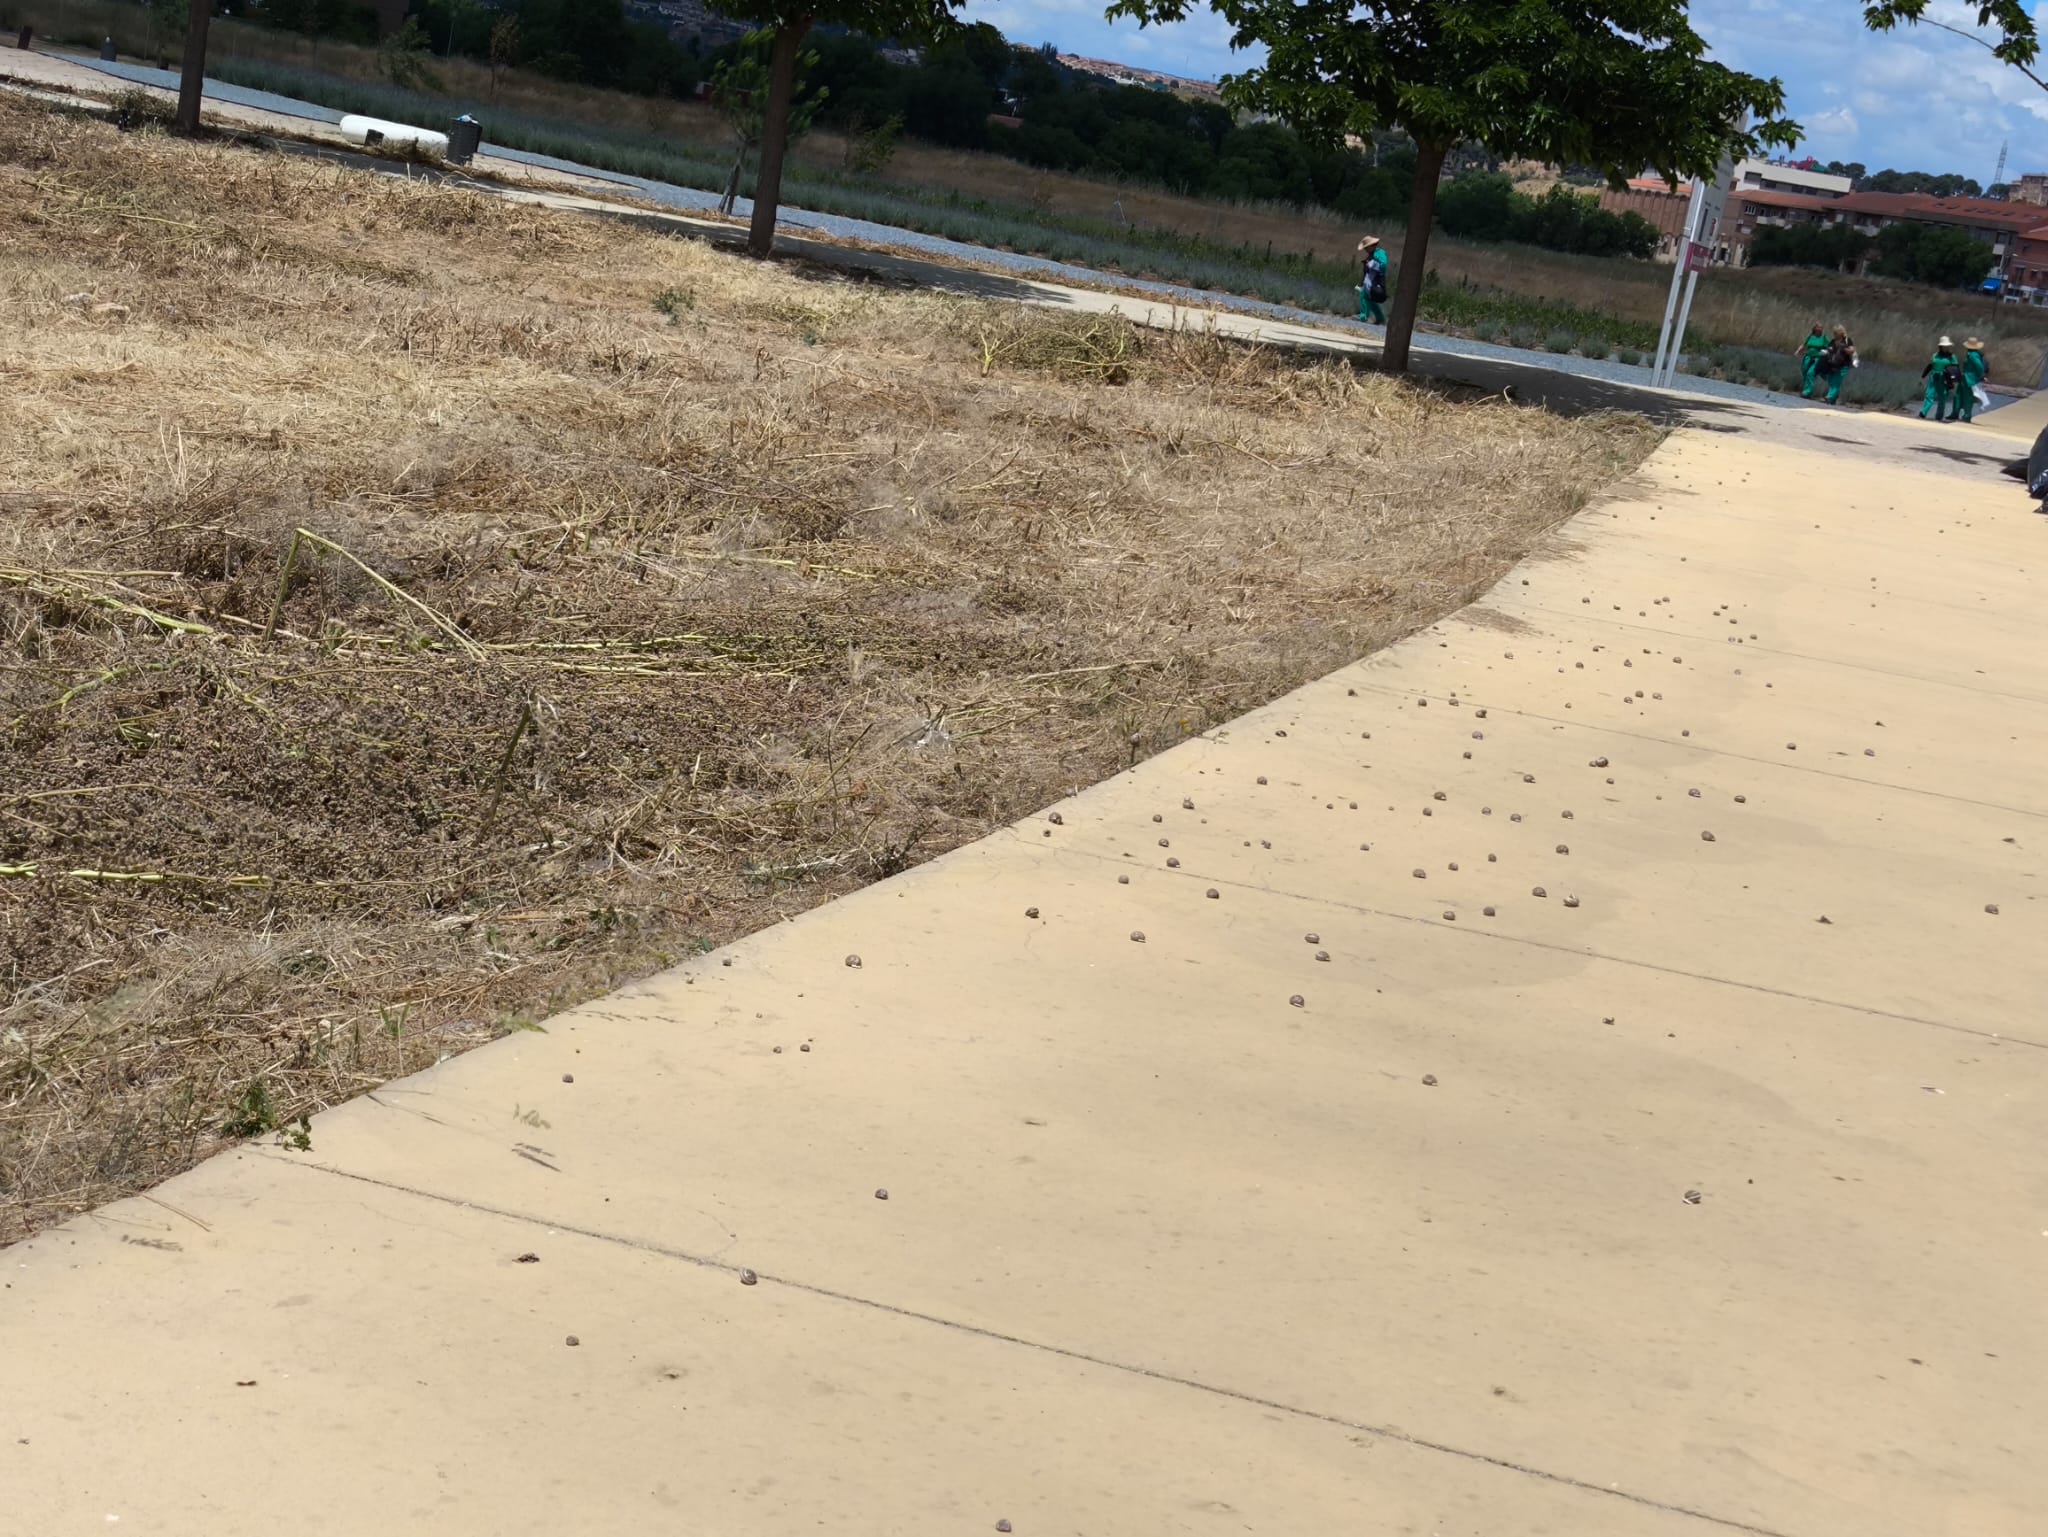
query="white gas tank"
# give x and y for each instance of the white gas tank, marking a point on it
(374, 130)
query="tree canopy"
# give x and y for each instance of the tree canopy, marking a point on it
(1932, 253)
(1620, 85)
(1833, 246)
(1946, 184)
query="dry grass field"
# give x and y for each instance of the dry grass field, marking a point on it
(419, 612)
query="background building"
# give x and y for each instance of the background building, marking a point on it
(2032, 188)
(2026, 274)
(1769, 176)
(1665, 205)
(1997, 223)
(1656, 200)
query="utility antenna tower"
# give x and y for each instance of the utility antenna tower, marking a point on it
(1998, 175)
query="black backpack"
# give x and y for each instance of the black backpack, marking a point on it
(1375, 282)
(1952, 375)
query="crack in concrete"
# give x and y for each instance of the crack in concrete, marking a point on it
(1571, 950)
(1686, 744)
(1065, 1352)
(1752, 648)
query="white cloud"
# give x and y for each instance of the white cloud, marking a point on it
(1832, 134)
(1896, 86)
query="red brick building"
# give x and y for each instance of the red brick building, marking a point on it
(1999, 225)
(2026, 273)
(1656, 200)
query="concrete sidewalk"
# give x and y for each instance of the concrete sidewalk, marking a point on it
(1560, 1075)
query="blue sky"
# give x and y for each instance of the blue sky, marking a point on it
(1916, 99)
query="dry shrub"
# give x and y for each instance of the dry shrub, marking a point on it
(623, 629)
(1083, 346)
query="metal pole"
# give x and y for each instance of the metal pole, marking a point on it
(1692, 282)
(1678, 266)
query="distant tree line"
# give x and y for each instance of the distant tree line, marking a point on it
(585, 42)
(1486, 206)
(1069, 121)
(1863, 179)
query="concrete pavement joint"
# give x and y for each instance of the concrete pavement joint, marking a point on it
(1718, 752)
(1571, 950)
(1383, 1432)
(1751, 649)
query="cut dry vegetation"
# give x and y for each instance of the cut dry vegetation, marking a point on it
(419, 612)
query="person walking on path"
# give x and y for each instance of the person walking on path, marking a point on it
(1835, 363)
(1372, 281)
(1810, 355)
(1974, 371)
(1942, 374)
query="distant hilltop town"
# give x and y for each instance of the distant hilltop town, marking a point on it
(1134, 74)
(686, 19)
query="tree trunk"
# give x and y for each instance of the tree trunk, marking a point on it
(1429, 164)
(731, 195)
(192, 83)
(789, 40)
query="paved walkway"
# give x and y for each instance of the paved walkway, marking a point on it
(1573, 1081)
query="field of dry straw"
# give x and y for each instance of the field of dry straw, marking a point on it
(419, 612)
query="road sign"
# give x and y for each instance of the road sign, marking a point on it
(1714, 195)
(1702, 227)
(1682, 265)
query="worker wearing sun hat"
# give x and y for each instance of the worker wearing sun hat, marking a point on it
(1974, 371)
(1372, 280)
(1942, 374)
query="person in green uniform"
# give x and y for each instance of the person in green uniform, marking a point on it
(1942, 374)
(1836, 362)
(1372, 281)
(1974, 371)
(1810, 354)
